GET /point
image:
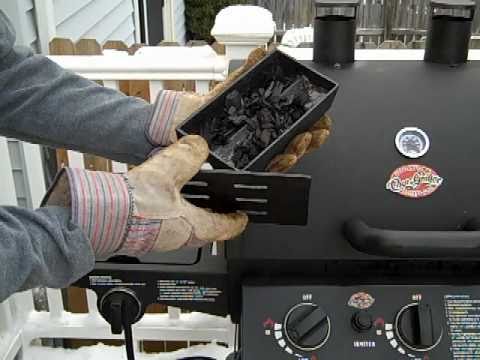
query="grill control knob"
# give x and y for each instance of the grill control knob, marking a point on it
(120, 307)
(362, 321)
(417, 328)
(307, 326)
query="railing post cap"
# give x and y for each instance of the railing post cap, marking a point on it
(243, 24)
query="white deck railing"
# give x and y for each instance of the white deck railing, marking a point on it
(20, 324)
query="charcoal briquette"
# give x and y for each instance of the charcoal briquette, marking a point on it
(238, 120)
(265, 137)
(234, 99)
(244, 160)
(260, 116)
(302, 99)
(277, 93)
(265, 117)
(269, 90)
(278, 73)
(237, 154)
(315, 95)
(252, 122)
(232, 110)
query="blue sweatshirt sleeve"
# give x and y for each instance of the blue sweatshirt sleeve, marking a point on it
(40, 248)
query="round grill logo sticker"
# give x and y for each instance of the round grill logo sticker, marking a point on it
(414, 181)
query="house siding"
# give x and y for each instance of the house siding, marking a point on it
(22, 14)
(102, 20)
(179, 21)
(174, 21)
(31, 36)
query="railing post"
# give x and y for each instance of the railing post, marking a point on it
(115, 85)
(155, 87)
(112, 84)
(6, 321)
(8, 193)
(92, 303)
(34, 173)
(75, 159)
(232, 334)
(242, 29)
(55, 303)
(202, 87)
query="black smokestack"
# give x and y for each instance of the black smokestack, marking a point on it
(335, 31)
(449, 31)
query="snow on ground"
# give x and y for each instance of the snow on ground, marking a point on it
(104, 352)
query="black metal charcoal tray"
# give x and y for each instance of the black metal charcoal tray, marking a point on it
(257, 77)
(261, 196)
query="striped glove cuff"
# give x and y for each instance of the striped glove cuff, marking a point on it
(102, 206)
(160, 127)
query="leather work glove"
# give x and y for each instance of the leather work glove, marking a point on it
(143, 210)
(301, 145)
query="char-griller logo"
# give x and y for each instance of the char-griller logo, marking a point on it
(361, 300)
(414, 181)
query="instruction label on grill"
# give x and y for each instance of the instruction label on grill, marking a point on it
(107, 280)
(186, 290)
(463, 320)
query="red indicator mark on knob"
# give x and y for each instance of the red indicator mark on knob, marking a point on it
(268, 323)
(379, 322)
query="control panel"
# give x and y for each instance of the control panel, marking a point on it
(360, 322)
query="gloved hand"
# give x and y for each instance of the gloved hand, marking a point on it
(156, 186)
(301, 145)
(143, 210)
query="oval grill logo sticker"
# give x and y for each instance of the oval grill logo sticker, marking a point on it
(361, 300)
(414, 181)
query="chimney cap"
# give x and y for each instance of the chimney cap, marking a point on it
(337, 3)
(453, 4)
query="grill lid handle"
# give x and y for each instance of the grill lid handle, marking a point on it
(464, 243)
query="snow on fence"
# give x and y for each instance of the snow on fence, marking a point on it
(21, 181)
